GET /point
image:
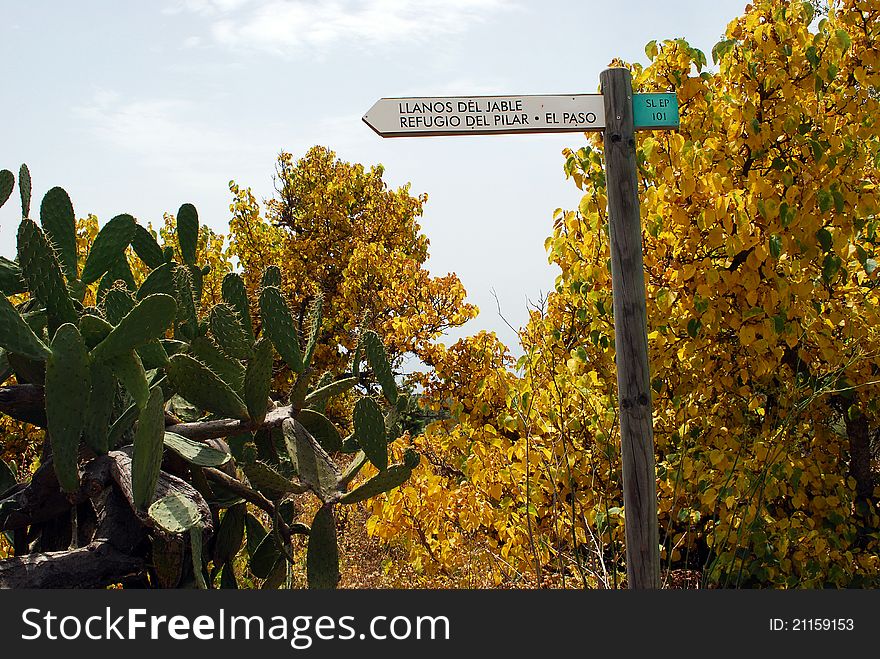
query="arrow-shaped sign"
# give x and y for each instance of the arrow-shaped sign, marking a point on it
(487, 115)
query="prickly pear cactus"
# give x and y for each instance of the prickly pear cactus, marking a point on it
(151, 377)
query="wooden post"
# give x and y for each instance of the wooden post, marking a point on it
(630, 333)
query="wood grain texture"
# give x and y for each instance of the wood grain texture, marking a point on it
(630, 332)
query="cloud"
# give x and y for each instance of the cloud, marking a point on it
(295, 26)
(169, 135)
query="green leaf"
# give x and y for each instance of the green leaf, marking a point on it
(146, 461)
(651, 49)
(870, 266)
(826, 241)
(188, 232)
(109, 246)
(825, 200)
(775, 246)
(195, 453)
(68, 383)
(322, 556)
(830, 267)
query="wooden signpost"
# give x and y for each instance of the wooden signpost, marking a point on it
(619, 113)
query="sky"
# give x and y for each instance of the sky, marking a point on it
(140, 107)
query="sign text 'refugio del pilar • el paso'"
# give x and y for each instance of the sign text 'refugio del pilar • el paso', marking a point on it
(486, 114)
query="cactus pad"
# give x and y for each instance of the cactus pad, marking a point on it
(109, 246)
(59, 223)
(279, 327)
(188, 232)
(322, 557)
(203, 388)
(67, 388)
(258, 381)
(146, 461)
(369, 427)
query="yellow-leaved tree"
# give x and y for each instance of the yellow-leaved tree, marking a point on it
(760, 234)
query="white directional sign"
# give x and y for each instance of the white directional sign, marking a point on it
(482, 115)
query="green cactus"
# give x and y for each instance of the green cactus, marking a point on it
(258, 381)
(279, 327)
(148, 320)
(228, 369)
(109, 246)
(314, 324)
(196, 453)
(119, 275)
(228, 331)
(24, 188)
(11, 282)
(93, 328)
(369, 426)
(129, 370)
(322, 394)
(187, 325)
(7, 184)
(146, 461)
(204, 388)
(160, 280)
(386, 480)
(311, 462)
(230, 534)
(118, 303)
(175, 513)
(42, 272)
(59, 223)
(378, 361)
(322, 429)
(235, 294)
(188, 232)
(265, 479)
(271, 277)
(67, 390)
(100, 409)
(322, 556)
(145, 246)
(152, 355)
(266, 556)
(16, 336)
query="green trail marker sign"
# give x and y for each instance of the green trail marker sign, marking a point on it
(619, 113)
(657, 111)
(504, 115)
